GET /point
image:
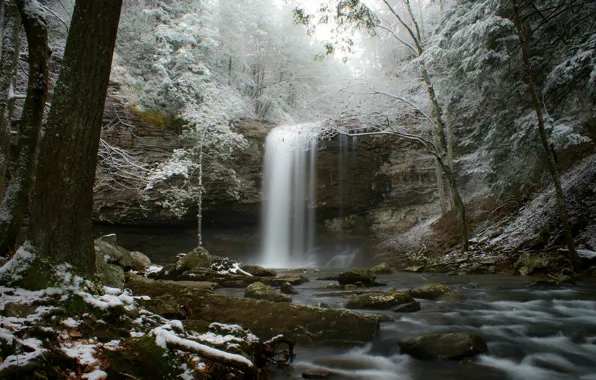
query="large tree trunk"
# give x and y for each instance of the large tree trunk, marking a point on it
(11, 30)
(61, 225)
(16, 202)
(549, 153)
(458, 203)
(445, 147)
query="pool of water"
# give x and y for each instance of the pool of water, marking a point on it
(531, 334)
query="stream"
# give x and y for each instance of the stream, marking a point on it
(532, 334)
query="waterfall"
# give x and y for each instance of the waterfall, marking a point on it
(289, 191)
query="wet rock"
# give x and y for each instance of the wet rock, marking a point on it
(168, 307)
(287, 288)
(382, 268)
(328, 278)
(378, 301)
(350, 287)
(364, 276)
(316, 374)
(294, 279)
(407, 308)
(324, 305)
(348, 292)
(197, 258)
(110, 275)
(260, 291)
(168, 272)
(451, 346)
(18, 310)
(415, 268)
(140, 261)
(435, 291)
(303, 324)
(112, 253)
(528, 264)
(333, 286)
(3, 260)
(258, 271)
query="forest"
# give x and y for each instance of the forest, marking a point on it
(283, 189)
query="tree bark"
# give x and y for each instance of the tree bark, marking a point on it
(11, 29)
(16, 202)
(445, 147)
(458, 203)
(550, 160)
(61, 209)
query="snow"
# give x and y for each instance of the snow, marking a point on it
(95, 375)
(69, 322)
(20, 262)
(153, 269)
(21, 359)
(163, 337)
(587, 254)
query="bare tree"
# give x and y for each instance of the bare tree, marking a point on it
(550, 160)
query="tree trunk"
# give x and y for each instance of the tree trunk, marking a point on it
(61, 210)
(549, 153)
(445, 147)
(458, 203)
(16, 202)
(11, 29)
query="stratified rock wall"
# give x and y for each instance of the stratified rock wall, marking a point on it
(386, 184)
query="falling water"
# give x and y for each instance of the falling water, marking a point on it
(289, 187)
(343, 158)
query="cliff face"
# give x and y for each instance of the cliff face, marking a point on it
(383, 184)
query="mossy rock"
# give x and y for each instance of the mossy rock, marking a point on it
(363, 276)
(143, 359)
(303, 324)
(110, 275)
(197, 258)
(382, 268)
(258, 271)
(528, 264)
(450, 346)
(378, 301)
(112, 253)
(140, 261)
(287, 288)
(435, 291)
(260, 291)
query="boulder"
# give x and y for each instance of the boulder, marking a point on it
(350, 287)
(287, 288)
(140, 262)
(407, 307)
(3, 260)
(260, 291)
(197, 258)
(312, 373)
(378, 301)
(300, 323)
(435, 291)
(382, 268)
(451, 346)
(110, 275)
(258, 271)
(113, 254)
(364, 276)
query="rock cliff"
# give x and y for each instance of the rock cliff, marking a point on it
(384, 184)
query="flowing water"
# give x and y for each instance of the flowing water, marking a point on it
(289, 195)
(531, 334)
